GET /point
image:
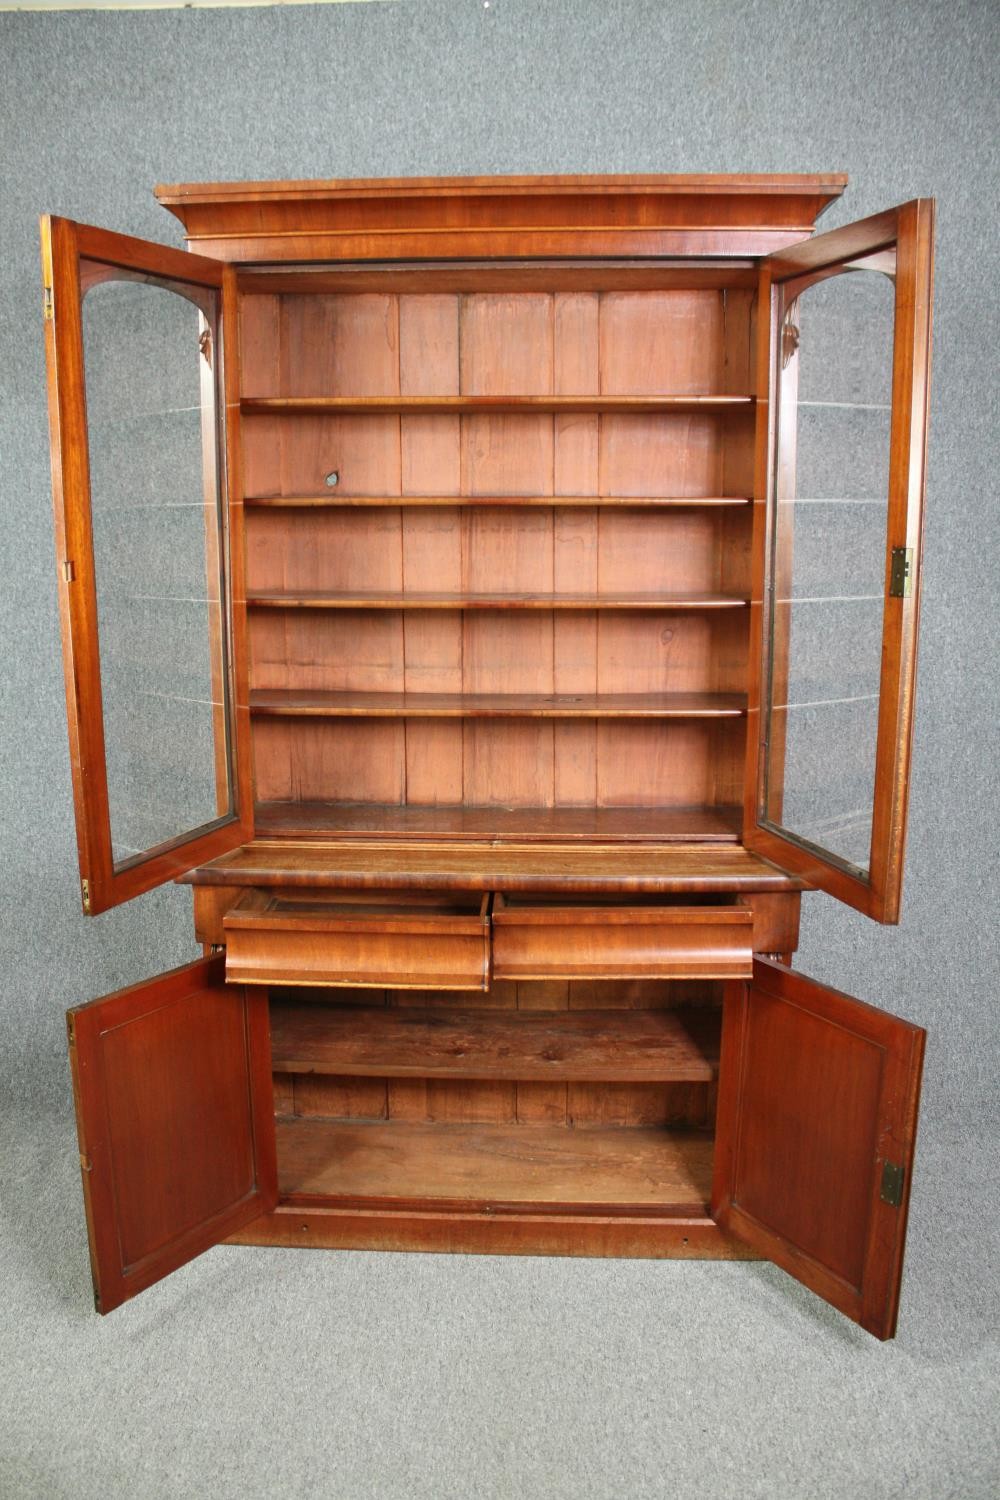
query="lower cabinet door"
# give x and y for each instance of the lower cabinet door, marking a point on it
(817, 1118)
(174, 1108)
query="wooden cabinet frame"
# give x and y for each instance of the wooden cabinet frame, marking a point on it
(642, 930)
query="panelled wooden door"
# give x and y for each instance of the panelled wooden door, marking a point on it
(816, 1126)
(175, 1115)
(843, 379)
(142, 367)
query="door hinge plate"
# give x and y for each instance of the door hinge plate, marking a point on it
(893, 1178)
(901, 573)
(47, 304)
(85, 894)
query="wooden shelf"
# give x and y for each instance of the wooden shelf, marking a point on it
(297, 702)
(443, 864)
(618, 1046)
(593, 825)
(621, 1167)
(374, 599)
(335, 500)
(335, 406)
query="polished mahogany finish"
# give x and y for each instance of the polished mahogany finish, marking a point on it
(909, 232)
(173, 1105)
(815, 1137)
(518, 864)
(410, 941)
(538, 939)
(499, 563)
(66, 246)
(500, 217)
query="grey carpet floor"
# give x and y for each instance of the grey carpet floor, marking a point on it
(310, 1373)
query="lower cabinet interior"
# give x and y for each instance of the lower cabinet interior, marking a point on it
(581, 1097)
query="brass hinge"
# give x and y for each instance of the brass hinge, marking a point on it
(47, 304)
(68, 571)
(893, 1178)
(86, 1165)
(85, 893)
(901, 573)
(71, 1029)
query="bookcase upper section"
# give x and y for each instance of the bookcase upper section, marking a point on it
(431, 217)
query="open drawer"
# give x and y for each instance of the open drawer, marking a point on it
(392, 940)
(555, 938)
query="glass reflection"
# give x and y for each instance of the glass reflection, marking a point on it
(828, 561)
(150, 356)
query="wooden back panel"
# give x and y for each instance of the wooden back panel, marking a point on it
(680, 340)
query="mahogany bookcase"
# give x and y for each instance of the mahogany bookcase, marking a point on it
(497, 598)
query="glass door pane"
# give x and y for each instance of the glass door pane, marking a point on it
(830, 500)
(143, 367)
(841, 437)
(150, 350)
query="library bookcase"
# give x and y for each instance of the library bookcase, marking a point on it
(497, 599)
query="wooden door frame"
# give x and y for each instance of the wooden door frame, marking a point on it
(64, 244)
(910, 228)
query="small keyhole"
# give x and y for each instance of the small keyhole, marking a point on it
(333, 478)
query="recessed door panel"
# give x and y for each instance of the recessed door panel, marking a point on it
(175, 1118)
(815, 1134)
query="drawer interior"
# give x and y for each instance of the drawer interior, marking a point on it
(413, 940)
(286, 906)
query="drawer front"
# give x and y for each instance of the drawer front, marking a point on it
(532, 940)
(398, 942)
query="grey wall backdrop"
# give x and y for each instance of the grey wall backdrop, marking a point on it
(261, 1372)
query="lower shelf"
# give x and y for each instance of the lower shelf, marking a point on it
(405, 1041)
(310, 820)
(587, 1169)
(494, 1190)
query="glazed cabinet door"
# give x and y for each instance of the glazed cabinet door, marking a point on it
(175, 1115)
(817, 1118)
(141, 347)
(843, 377)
